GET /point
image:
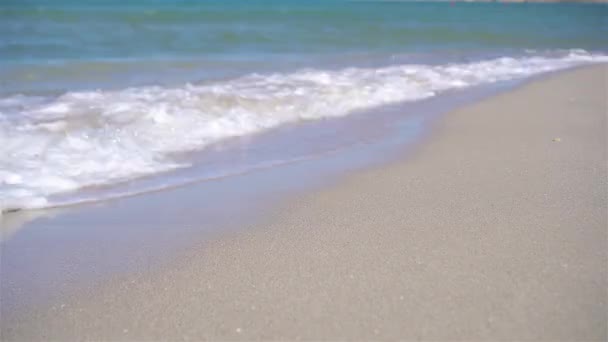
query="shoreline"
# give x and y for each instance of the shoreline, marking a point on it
(166, 162)
(312, 269)
(427, 109)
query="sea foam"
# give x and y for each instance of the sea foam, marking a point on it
(83, 139)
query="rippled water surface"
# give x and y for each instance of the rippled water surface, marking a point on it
(96, 93)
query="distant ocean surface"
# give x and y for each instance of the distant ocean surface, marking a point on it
(97, 93)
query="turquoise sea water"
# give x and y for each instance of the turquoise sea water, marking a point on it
(162, 40)
(133, 83)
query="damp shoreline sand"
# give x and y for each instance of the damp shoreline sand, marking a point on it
(494, 229)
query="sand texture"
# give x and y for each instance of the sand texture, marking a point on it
(495, 229)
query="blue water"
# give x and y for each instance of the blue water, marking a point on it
(45, 43)
(99, 93)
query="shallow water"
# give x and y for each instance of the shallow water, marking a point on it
(97, 97)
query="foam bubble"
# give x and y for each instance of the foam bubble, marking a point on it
(81, 139)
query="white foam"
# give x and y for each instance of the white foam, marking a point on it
(81, 139)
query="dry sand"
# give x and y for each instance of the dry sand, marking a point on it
(495, 229)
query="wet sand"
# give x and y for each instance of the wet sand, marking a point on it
(495, 229)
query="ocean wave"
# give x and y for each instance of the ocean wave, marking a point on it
(83, 139)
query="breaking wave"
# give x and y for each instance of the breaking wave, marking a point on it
(54, 145)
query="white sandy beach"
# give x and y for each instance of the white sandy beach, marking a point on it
(496, 229)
